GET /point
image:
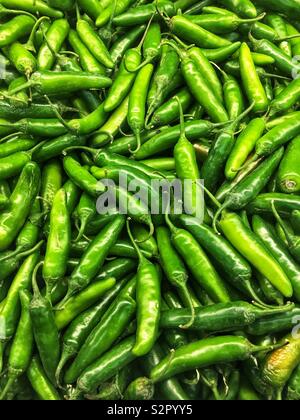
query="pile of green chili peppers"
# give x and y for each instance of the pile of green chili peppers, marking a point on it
(132, 305)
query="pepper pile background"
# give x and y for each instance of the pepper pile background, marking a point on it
(96, 307)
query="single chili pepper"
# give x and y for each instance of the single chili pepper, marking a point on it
(272, 295)
(141, 14)
(205, 353)
(94, 43)
(258, 59)
(137, 102)
(103, 336)
(252, 84)
(244, 146)
(112, 125)
(22, 345)
(284, 62)
(244, 192)
(105, 367)
(32, 111)
(169, 111)
(167, 70)
(23, 60)
(120, 87)
(14, 29)
(247, 243)
(219, 152)
(148, 303)
(58, 244)
(218, 55)
(80, 328)
(11, 308)
(94, 257)
(238, 270)
(291, 30)
(87, 60)
(278, 24)
(288, 177)
(233, 97)
(21, 200)
(292, 239)
(286, 99)
(93, 8)
(54, 39)
(15, 146)
(225, 24)
(37, 127)
(44, 329)
(82, 301)
(47, 82)
(124, 249)
(85, 211)
(170, 389)
(285, 203)
(279, 365)
(190, 32)
(55, 147)
(33, 6)
(51, 183)
(293, 387)
(81, 177)
(174, 269)
(125, 42)
(40, 383)
(194, 257)
(118, 268)
(61, 5)
(72, 195)
(267, 233)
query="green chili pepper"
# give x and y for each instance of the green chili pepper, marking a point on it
(194, 257)
(139, 390)
(205, 353)
(99, 341)
(94, 43)
(54, 39)
(14, 29)
(58, 244)
(82, 301)
(218, 55)
(40, 383)
(137, 103)
(105, 367)
(21, 200)
(288, 177)
(94, 257)
(51, 83)
(285, 203)
(22, 345)
(148, 303)
(278, 323)
(247, 243)
(44, 329)
(125, 42)
(244, 8)
(85, 212)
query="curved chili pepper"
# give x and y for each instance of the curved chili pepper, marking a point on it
(205, 353)
(22, 345)
(44, 329)
(14, 29)
(194, 257)
(94, 257)
(148, 303)
(103, 336)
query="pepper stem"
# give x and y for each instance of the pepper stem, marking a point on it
(25, 85)
(182, 126)
(65, 357)
(187, 298)
(138, 143)
(58, 115)
(19, 253)
(30, 43)
(282, 224)
(35, 286)
(140, 255)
